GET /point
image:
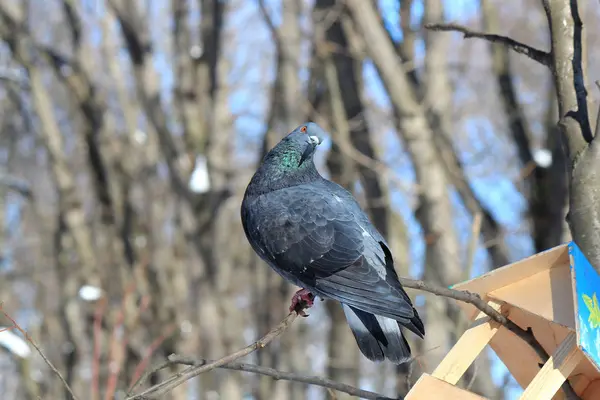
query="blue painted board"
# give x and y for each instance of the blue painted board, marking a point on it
(587, 291)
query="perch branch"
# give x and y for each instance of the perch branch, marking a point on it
(281, 375)
(479, 303)
(540, 56)
(162, 388)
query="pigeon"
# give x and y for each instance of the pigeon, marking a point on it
(313, 233)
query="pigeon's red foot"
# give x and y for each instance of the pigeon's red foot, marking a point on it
(301, 300)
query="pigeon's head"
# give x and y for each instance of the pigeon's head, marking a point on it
(298, 146)
(290, 162)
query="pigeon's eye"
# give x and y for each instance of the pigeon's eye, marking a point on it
(303, 129)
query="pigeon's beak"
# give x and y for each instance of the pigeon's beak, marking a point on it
(315, 140)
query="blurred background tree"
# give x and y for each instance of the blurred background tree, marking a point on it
(129, 130)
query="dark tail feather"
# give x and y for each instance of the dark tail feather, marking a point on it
(415, 325)
(377, 337)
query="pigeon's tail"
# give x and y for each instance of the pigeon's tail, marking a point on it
(378, 337)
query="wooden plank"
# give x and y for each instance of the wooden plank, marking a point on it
(555, 371)
(523, 362)
(467, 348)
(428, 388)
(519, 358)
(514, 272)
(548, 294)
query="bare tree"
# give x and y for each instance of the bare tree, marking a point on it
(129, 130)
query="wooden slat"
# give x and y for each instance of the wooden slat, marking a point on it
(514, 272)
(468, 347)
(555, 371)
(430, 388)
(548, 294)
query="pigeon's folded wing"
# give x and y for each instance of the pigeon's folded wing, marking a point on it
(324, 243)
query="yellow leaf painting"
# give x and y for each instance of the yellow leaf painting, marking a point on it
(592, 305)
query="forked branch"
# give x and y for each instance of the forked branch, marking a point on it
(540, 56)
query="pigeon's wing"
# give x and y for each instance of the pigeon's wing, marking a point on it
(322, 240)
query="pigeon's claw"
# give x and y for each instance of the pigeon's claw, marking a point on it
(302, 300)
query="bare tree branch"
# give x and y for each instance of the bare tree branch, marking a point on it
(479, 303)
(162, 388)
(535, 54)
(275, 374)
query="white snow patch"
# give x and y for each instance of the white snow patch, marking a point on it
(542, 157)
(13, 343)
(186, 326)
(140, 136)
(196, 52)
(199, 181)
(90, 293)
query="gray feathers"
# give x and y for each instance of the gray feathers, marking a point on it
(377, 337)
(314, 234)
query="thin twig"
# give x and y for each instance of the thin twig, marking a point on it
(37, 348)
(540, 56)
(272, 28)
(162, 388)
(118, 344)
(138, 378)
(282, 375)
(145, 377)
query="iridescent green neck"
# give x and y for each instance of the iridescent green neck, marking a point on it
(287, 160)
(281, 169)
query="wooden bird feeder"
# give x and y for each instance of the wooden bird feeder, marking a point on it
(555, 293)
